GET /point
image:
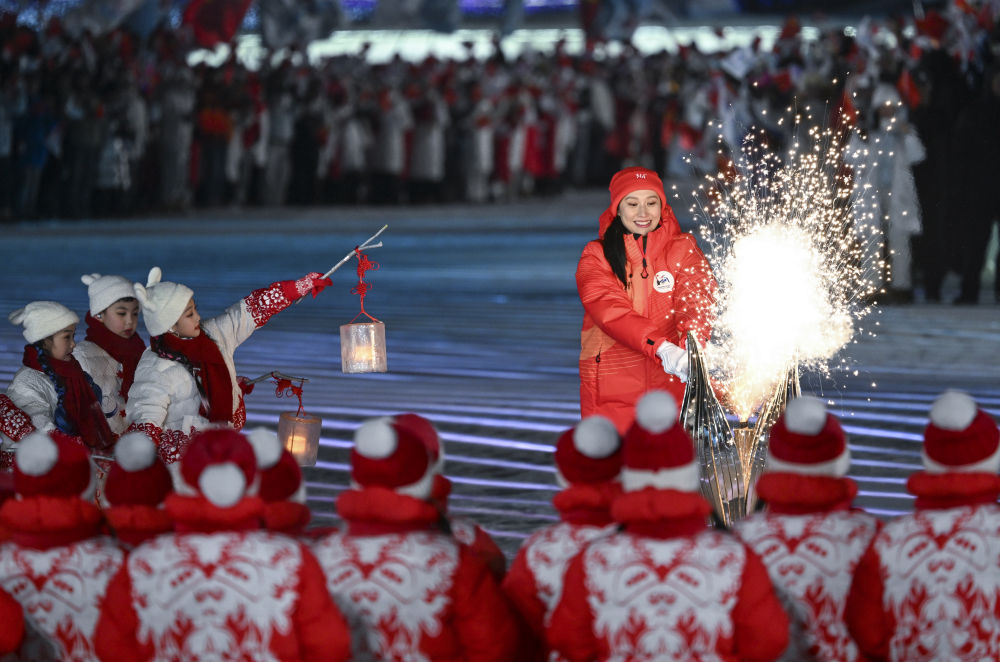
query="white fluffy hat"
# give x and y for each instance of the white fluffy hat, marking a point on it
(43, 318)
(162, 302)
(105, 290)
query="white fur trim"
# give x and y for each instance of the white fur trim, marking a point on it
(685, 478)
(596, 437)
(806, 415)
(265, 446)
(953, 410)
(990, 465)
(837, 467)
(376, 438)
(420, 489)
(135, 451)
(222, 484)
(656, 411)
(36, 454)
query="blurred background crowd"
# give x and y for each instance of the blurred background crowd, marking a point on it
(116, 123)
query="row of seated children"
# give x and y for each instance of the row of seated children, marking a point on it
(633, 570)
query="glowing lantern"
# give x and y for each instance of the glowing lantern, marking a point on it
(362, 347)
(299, 433)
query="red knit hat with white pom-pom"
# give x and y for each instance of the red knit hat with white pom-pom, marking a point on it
(280, 474)
(138, 477)
(960, 437)
(806, 439)
(589, 452)
(52, 464)
(221, 465)
(658, 453)
(389, 455)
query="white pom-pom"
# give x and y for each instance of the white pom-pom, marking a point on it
(36, 454)
(16, 317)
(596, 437)
(265, 446)
(656, 411)
(953, 410)
(154, 277)
(222, 484)
(376, 438)
(87, 279)
(805, 414)
(135, 451)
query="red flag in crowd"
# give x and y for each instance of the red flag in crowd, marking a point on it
(215, 21)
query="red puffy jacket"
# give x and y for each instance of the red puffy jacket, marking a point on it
(622, 327)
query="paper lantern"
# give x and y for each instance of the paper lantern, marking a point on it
(362, 347)
(299, 433)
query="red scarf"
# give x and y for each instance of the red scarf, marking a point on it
(124, 350)
(209, 370)
(78, 398)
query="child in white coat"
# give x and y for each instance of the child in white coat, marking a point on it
(51, 387)
(111, 349)
(186, 379)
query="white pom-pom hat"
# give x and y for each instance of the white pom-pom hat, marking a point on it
(589, 452)
(105, 290)
(138, 476)
(387, 454)
(53, 464)
(41, 319)
(960, 437)
(806, 439)
(221, 465)
(657, 452)
(162, 302)
(280, 474)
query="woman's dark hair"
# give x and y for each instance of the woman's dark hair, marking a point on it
(614, 248)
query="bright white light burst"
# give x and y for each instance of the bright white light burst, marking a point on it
(790, 240)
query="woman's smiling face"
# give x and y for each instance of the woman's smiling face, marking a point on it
(640, 211)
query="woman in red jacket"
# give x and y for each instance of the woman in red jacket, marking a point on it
(643, 284)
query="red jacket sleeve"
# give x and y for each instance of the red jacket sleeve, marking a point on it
(520, 587)
(487, 549)
(486, 625)
(867, 620)
(571, 625)
(11, 623)
(760, 622)
(606, 302)
(115, 637)
(323, 632)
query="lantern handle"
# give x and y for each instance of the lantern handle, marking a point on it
(274, 374)
(365, 246)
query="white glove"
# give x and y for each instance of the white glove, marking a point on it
(674, 360)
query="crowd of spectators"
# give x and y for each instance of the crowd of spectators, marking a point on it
(112, 125)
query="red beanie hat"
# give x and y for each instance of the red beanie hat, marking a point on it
(589, 452)
(221, 465)
(387, 454)
(657, 451)
(627, 181)
(806, 439)
(425, 431)
(138, 476)
(52, 464)
(960, 436)
(280, 474)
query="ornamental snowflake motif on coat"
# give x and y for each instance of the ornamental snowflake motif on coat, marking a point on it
(549, 552)
(660, 599)
(942, 583)
(391, 589)
(60, 590)
(221, 594)
(811, 559)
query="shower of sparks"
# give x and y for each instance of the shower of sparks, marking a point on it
(796, 248)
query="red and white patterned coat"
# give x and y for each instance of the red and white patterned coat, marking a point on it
(811, 541)
(408, 590)
(928, 588)
(534, 581)
(164, 401)
(12, 617)
(667, 588)
(57, 568)
(220, 593)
